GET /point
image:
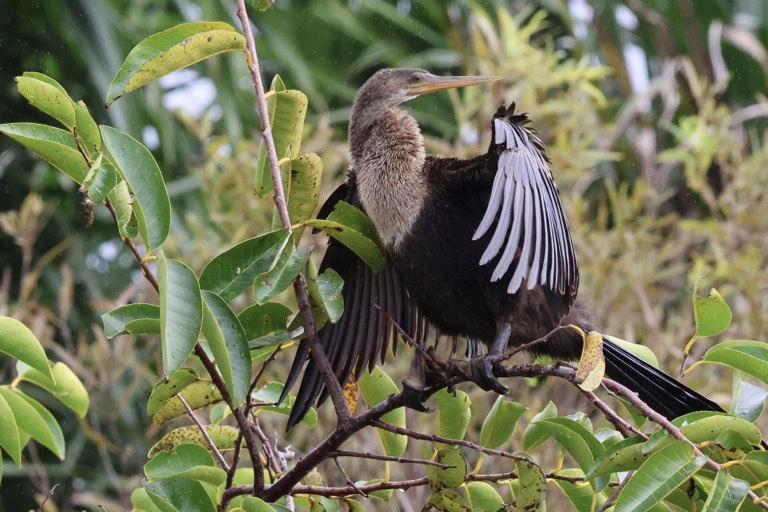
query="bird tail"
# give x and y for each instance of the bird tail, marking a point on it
(661, 392)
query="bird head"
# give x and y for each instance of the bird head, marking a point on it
(394, 86)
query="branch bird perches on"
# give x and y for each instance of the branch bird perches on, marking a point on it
(478, 248)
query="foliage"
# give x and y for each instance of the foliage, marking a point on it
(648, 225)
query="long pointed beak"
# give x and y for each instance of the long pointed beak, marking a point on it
(432, 83)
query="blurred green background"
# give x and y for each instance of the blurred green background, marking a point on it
(654, 112)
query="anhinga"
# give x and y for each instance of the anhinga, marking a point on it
(478, 248)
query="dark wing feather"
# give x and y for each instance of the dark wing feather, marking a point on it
(531, 231)
(363, 332)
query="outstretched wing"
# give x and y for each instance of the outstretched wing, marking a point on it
(531, 231)
(363, 333)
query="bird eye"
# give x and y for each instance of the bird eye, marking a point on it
(415, 78)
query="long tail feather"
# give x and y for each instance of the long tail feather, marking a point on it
(661, 392)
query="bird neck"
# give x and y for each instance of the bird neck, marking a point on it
(388, 163)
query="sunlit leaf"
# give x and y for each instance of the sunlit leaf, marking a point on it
(712, 314)
(181, 312)
(34, 419)
(200, 393)
(54, 145)
(48, 98)
(19, 342)
(376, 387)
(64, 385)
(139, 169)
(170, 50)
(302, 186)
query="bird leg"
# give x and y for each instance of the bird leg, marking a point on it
(480, 369)
(416, 389)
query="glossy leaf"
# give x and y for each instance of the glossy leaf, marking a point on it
(187, 461)
(181, 312)
(626, 455)
(287, 110)
(750, 399)
(744, 355)
(450, 477)
(139, 169)
(64, 385)
(577, 441)
(232, 272)
(10, 437)
(86, 129)
(48, 98)
(198, 394)
(264, 319)
(223, 436)
(711, 314)
(482, 497)
(499, 424)
(280, 277)
(164, 390)
(354, 229)
(19, 342)
(700, 427)
(663, 472)
(54, 145)
(536, 434)
(179, 495)
(727, 494)
(229, 345)
(34, 419)
(170, 50)
(453, 413)
(132, 319)
(376, 387)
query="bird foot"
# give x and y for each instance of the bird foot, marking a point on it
(414, 396)
(478, 370)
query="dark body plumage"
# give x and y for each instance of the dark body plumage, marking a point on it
(478, 248)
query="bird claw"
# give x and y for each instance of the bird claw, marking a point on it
(478, 370)
(415, 395)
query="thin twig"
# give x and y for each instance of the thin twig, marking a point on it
(299, 284)
(346, 477)
(388, 458)
(216, 453)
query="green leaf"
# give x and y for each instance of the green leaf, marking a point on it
(577, 441)
(699, 427)
(181, 312)
(662, 473)
(532, 486)
(453, 413)
(122, 201)
(143, 503)
(223, 437)
(164, 390)
(179, 495)
(54, 145)
(536, 434)
(581, 496)
(750, 400)
(482, 497)
(727, 494)
(170, 50)
(198, 394)
(500, 423)
(352, 228)
(264, 319)
(302, 186)
(19, 342)
(139, 169)
(10, 437)
(35, 420)
(48, 98)
(286, 110)
(228, 343)
(267, 397)
(64, 385)
(711, 314)
(451, 477)
(744, 355)
(132, 319)
(280, 277)
(186, 462)
(376, 387)
(104, 180)
(326, 290)
(626, 455)
(232, 272)
(86, 129)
